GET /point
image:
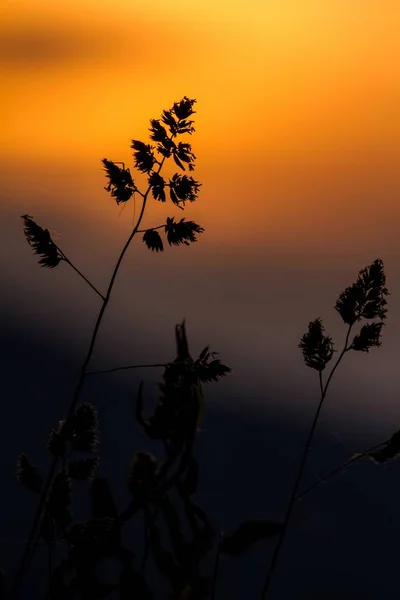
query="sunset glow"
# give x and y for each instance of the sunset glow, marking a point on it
(297, 103)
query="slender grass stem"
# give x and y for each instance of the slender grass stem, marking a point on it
(39, 515)
(271, 571)
(158, 227)
(124, 368)
(81, 274)
(340, 469)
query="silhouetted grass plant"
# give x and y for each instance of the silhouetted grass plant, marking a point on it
(178, 533)
(174, 422)
(364, 300)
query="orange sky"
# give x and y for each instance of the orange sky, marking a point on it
(297, 102)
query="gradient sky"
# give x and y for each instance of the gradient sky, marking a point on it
(298, 150)
(297, 139)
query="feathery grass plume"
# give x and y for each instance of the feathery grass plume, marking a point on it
(84, 428)
(183, 188)
(153, 240)
(181, 386)
(40, 241)
(121, 185)
(157, 184)
(176, 118)
(316, 347)
(80, 431)
(182, 153)
(143, 156)
(181, 232)
(209, 371)
(175, 418)
(248, 534)
(28, 475)
(59, 438)
(369, 337)
(365, 298)
(158, 133)
(183, 110)
(166, 148)
(390, 451)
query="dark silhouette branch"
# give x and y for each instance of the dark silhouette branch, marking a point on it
(292, 500)
(101, 372)
(39, 515)
(340, 469)
(144, 230)
(79, 273)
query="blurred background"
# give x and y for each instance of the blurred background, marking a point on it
(297, 144)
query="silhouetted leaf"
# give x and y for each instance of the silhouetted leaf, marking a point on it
(316, 347)
(212, 371)
(143, 156)
(248, 534)
(368, 337)
(83, 469)
(158, 133)
(40, 241)
(181, 232)
(178, 162)
(365, 298)
(204, 354)
(28, 475)
(184, 108)
(166, 147)
(102, 501)
(157, 187)
(183, 154)
(390, 451)
(153, 240)
(183, 188)
(169, 120)
(121, 184)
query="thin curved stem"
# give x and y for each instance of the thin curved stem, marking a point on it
(292, 500)
(340, 469)
(81, 274)
(125, 368)
(39, 515)
(144, 230)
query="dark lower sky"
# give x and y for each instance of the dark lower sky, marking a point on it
(343, 540)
